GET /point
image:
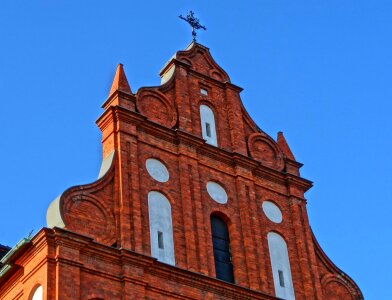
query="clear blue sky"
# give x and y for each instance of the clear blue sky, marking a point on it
(320, 71)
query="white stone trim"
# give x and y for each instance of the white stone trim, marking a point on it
(272, 212)
(217, 192)
(38, 294)
(207, 117)
(280, 262)
(159, 212)
(157, 170)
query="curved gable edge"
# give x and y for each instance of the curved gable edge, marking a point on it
(334, 272)
(55, 212)
(254, 127)
(195, 48)
(249, 121)
(164, 86)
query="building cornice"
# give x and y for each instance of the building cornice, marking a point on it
(128, 260)
(178, 137)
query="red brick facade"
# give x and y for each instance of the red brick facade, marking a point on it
(103, 250)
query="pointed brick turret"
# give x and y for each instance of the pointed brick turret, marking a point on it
(284, 146)
(120, 93)
(120, 82)
(292, 166)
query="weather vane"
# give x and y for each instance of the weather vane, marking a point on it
(194, 22)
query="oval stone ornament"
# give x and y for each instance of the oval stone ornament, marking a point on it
(272, 212)
(157, 170)
(216, 192)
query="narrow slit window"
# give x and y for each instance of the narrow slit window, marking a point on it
(208, 129)
(204, 92)
(160, 240)
(281, 278)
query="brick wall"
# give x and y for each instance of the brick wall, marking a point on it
(164, 123)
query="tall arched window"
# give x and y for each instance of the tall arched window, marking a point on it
(38, 293)
(161, 228)
(221, 244)
(208, 128)
(280, 263)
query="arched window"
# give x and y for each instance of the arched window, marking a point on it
(221, 244)
(161, 228)
(280, 263)
(208, 128)
(38, 293)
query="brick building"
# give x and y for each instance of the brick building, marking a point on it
(193, 201)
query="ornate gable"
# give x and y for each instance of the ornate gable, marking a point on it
(189, 179)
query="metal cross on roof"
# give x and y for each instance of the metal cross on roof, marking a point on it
(194, 22)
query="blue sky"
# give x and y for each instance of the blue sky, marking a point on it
(320, 71)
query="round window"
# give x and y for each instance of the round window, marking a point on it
(272, 211)
(157, 170)
(216, 192)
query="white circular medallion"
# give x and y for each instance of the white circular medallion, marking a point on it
(272, 212)
(157, 170)
(216, 192)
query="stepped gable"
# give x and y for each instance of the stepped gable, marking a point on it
(174, 105)
(188, 152)
(176, 102)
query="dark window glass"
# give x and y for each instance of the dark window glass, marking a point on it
(160, 240)
(221, 244)
(208, 129)
(281, 278)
